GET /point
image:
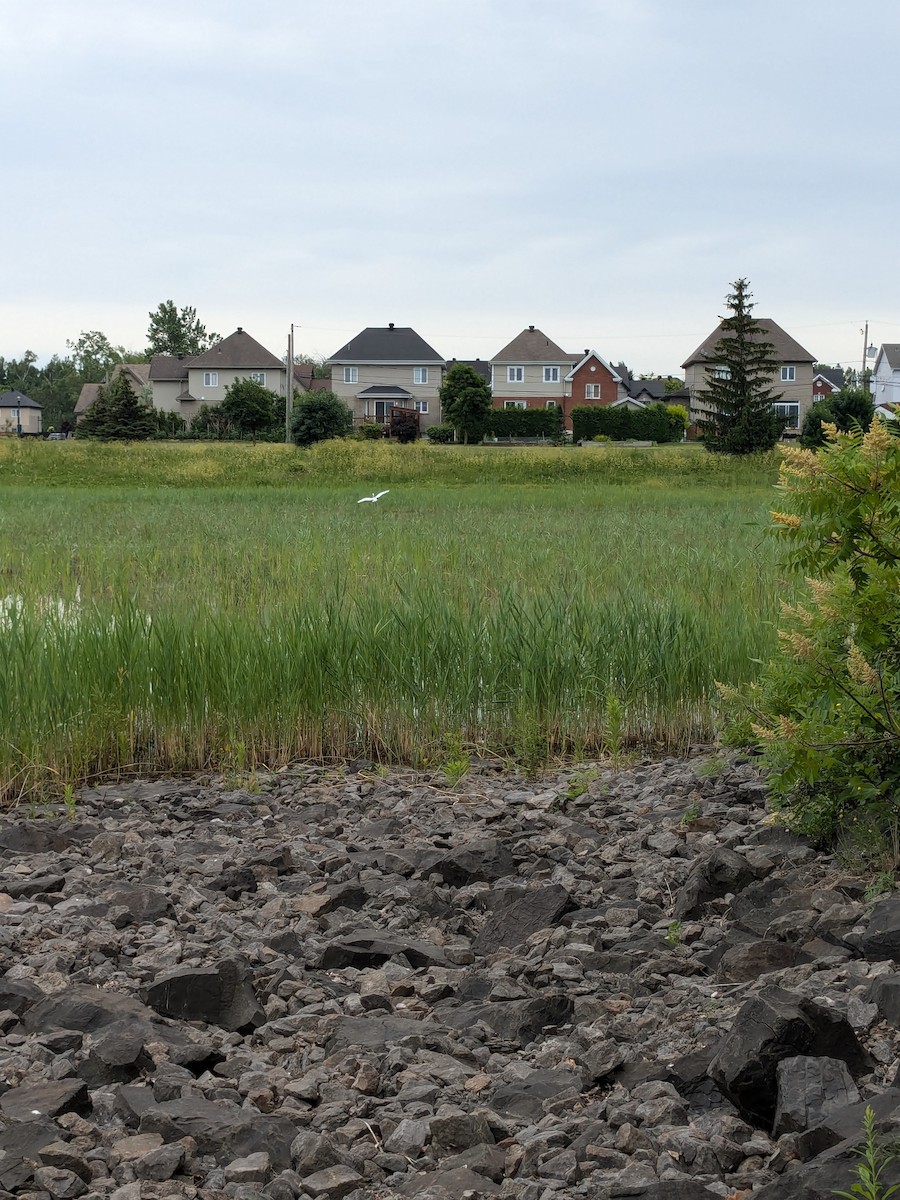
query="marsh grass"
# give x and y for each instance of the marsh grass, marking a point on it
(289, 622)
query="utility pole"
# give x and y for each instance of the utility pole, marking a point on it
(865, 352)
(289, 390)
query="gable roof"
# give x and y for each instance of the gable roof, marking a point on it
(387, 344)
(531, 345)
(168, 366)
(786, 348)
(833, 376)
(238, 351)
(588, 355)
(16, 399)
(891, 352)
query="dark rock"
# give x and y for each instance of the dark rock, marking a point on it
(29, 1101)
(717, 873)
(234, 882)
(333, 1182)
(373, 950)
(516, 913)
(461, 1181)
(473, 862)
(33, 885)
(808, 1090)
(18, 994)
(518, 1022)
(375, 1032)
(770, 1027)
(222, 1130)
(220, 995)
(20, 1145)
(145, 904)
(83, 1008)
(881, 938)
(525, 1097)
(59, 1184)
(845, 1124)
(459, 1131)
(747, 961)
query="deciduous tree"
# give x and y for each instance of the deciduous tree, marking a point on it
(251, 410)
(466, 401)
(319, 416)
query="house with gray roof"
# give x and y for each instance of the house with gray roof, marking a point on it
(792, 378)
(182, 383)
(387, 367)
(531, 372)
(885, 380)
(19, 414)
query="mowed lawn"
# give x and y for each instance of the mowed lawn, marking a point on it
(175, 608)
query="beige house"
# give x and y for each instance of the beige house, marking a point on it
(387, 367)
(792, 379)
(532, 372)
(181, 383)
(19, 415)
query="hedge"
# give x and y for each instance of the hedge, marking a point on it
(525, 422)
(621, 424)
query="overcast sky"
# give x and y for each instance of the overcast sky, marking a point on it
(601, 169)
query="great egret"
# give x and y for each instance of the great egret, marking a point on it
(372, 499)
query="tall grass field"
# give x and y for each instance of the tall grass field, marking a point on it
(180, 607)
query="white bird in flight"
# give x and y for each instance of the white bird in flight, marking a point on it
(372, 499)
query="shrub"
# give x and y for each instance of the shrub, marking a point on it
(826, 713)
(655, 423)
(319, 416)
(404, 426)
(369, 432)
(525, 422)
(441, 434)
(847, 408)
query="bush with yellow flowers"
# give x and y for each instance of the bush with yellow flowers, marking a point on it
(826, 712)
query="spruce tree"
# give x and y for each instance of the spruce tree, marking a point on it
(118, 414)
(738, 397)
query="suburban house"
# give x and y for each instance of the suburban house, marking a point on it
(19, 414)
(885, 379)
(182, 384)
(531, 372)
(826, 381)
(792, 379)
(387, 367)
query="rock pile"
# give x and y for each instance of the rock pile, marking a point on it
(352, 983)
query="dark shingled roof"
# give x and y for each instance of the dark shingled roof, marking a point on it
(17, 399)
(533, 346)
(386, 392)
(481, 366)
(168, 366)
(786, 349)
(387, 344)
(239, 351)
(832, 375)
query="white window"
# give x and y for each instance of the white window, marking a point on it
(551, 404)
(421, 406)
(592, 391)
(351, 374)
(551, 374)
(790, 412)
(788, 374)
(514, 403)
(515, 374)
(210, 378)
(721, 373)
(258, 377)
(420, 374)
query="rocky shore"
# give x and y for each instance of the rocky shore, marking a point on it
(365, 984)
